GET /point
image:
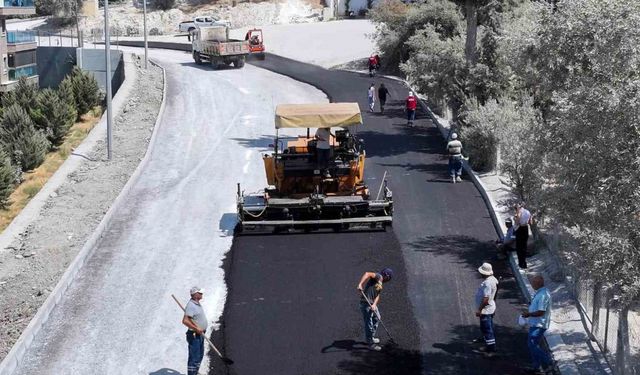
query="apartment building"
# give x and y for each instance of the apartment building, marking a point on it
(17, 48)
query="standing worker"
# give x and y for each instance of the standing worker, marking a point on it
(382, 96)
(486, 308)
(522, 219)
(539, 315)
(323, 150)
(196, 322)
(369, 288)
(411, 104)
(454, 150)
(371, 96)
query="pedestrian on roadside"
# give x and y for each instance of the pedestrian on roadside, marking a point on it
(411, 104)
(454, 150)
(383, 93)
(369, 289)
(371, 95)
(486, 308)
(539, 317)
(522, 221)
(196, 321)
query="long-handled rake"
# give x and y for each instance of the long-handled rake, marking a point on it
(225, 360)
(379, 318)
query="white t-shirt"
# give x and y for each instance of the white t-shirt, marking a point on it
(195, 311)
(524, 216)
(323, 135)
(488, 288)
(372, 92)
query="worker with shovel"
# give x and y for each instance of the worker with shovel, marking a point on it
(196, 322)
(369, 288)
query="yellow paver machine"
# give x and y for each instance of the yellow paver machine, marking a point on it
(316, 181)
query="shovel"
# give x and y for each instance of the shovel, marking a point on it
(224, 359)
(379, 318)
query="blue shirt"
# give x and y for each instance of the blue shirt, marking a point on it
(541, 302)
(510, 235)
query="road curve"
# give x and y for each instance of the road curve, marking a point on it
(173, 230)
(291, 305)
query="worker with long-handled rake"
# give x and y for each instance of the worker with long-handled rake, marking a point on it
(369, 288)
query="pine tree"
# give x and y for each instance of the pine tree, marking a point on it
(85, 89)
(7, 178)
(53, 115)
(26, 146)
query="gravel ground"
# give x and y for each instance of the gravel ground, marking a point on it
(30, 271)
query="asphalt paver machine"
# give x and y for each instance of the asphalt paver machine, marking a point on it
(301, 194)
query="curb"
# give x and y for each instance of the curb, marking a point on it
(554, 340)
(16, 355)
(21, 222)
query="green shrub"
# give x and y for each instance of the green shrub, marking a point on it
(53, 115)
(26, 145)
(481, 145)
(7, 178)
(85, 91)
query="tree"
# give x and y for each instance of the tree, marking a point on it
(85, 90)
(26, 146)
(23, 94)
(53, 115)
(7, 178)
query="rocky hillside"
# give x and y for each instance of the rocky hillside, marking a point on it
(127, 19)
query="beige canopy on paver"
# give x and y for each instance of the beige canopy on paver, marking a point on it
(324, 115)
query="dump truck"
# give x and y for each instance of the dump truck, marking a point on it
(301, 193)
(212, 43)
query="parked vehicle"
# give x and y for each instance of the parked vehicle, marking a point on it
(189, 26)
(256, 43)
(212, 43)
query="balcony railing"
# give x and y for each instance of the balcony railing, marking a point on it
(17, 3)
(24, 71)
(15, 37)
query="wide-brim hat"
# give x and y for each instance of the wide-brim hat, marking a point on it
(486, 269)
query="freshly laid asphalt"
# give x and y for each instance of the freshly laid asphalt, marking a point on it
(292, 306)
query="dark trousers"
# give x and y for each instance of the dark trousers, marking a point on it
(324, 154)
(196, 352)
(486, 327)
(522, 237)
(383, 101)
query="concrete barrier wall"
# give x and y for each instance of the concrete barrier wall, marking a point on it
(54, 63)
(92, 60)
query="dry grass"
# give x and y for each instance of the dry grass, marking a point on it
(34, 180)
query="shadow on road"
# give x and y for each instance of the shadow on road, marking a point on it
(166, 371)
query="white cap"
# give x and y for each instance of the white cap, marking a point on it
(454, 136)
(195, 290)
(410, 93)
(486, 269)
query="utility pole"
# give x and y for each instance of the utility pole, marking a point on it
(107, 55)
(144, 23)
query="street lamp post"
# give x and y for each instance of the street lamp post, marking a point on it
(107, 54)
(144, 23)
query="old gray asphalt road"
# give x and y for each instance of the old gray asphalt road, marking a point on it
(291, 304)
(172, 232)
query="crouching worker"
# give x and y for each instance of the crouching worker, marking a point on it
(196, 322)
(369, 289)
(508, 243)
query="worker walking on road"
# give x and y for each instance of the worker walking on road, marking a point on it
(486, 308)
(369, 289)
(411, 104)
(196, 322)
(454, 150)
(383, 93)
(539, 315)
(371, 96)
